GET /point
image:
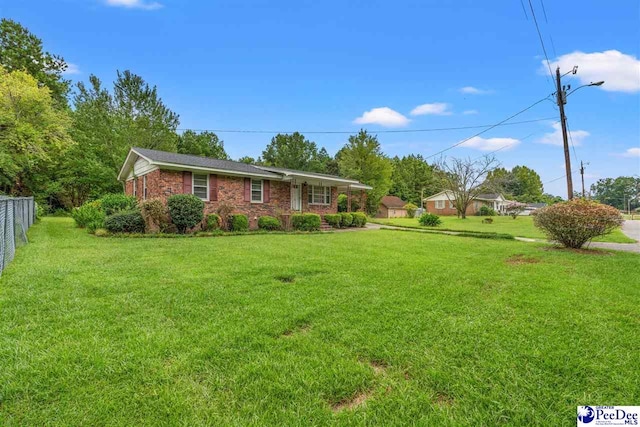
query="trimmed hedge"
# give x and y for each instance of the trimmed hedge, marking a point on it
(429, 220)
(186, 211)
(238, 222)
(305, 222)
(112, 203)
(213, 222)
(269, 223)
(347, 219)
(333, 220)
(359, 219)
(125, 222)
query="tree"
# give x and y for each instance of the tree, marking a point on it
(33, 134)
(463, 179)
(362, 159)
(322, 162)
(248, 160)
(412, 178)
(21, 50)
(202, 144)
(520, 183)
(291, 151)
(621, 192)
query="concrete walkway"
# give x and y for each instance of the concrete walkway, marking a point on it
(630, 228)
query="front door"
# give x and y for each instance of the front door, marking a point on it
(296, 197)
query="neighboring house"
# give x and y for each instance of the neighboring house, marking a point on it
(532, 207)
(443, 203)
(251, 190)
(391, 207)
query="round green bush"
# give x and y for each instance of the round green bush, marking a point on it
(238, 222)
(213, 222)
(125, 222)
(486, 211)
(411, 210)
(429, 220)
(305, 222)
(359, 219)
(577, 221)
(112, 203)
(269, 223)
(186, 211)
(333, 220)
(347, 219)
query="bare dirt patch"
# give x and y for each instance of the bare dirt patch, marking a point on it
(286, 278)
(443, 399)
(378, 366)
(360, 399)
(521, 259)
(583, 251)
(300, 329)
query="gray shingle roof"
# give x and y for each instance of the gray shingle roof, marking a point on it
(488, 196)
(293, 171)
(202, 162)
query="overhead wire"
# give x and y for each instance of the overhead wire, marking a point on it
(544, 49)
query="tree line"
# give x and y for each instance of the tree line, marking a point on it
(65, 143)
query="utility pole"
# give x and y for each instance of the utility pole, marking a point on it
(562, 99)
(582, 176)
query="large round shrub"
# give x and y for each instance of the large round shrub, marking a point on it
(411, 210)
(269, 223)
(359, 219)
(333, 220)
(238, 222)
(155, 214)
(486, 211)
(112, 203)
(125, 222)
(577, 221)
(429, 220)
(347, 219)
(186, 211)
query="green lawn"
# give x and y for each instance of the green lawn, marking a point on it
(519, 227)
(357, 328)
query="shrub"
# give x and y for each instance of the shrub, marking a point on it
(343, 203)
(94, 225)
(112, 203)
(101, 232)
(88, 213)
(213, 222)
(577, 221)
(238, 222)
(411, 210)
(269, 223)
(155, 214)
(333, 220)
(429, 220)
(487, 220)
(223, 212)
(486, 211)
(514, 209)
(41, 211)
(305, 222)
(125, 222)
(186, 210)
(347, 219)
(359, 219)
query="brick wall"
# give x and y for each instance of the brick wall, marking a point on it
(430, 206)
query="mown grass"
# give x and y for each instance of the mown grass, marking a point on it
(519, 227)
(363, 328)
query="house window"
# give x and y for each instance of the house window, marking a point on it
(135, 187)
(144, 187)
(200, 185)
(256, 190)
(319, 195)
(439, 204)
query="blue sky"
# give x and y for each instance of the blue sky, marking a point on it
(379, 65)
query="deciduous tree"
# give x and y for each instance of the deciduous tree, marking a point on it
(202, 144)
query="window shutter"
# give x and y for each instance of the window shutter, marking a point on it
(213, 188)
(186, 182)
(247, 189)
(266, 193)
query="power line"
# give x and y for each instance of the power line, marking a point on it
(370, 131)
(544, 49)
(573, 147)
(560, 177)
(508, 145)
(489, 128)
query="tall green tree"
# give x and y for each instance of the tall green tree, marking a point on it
(21, 50)
(291, 151)
(362, 159)
(413, 177)
(202, 144)
(621, 192)
(33, 134)
(520, 183)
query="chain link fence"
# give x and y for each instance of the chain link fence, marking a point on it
(17, 214)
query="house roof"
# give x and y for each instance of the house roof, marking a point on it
(393, 202)
(169, 160)
(485, 196)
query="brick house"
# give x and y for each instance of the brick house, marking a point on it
(248, 189)
(442, 203)
(391, 207)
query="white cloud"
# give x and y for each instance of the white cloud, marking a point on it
(135, 4)
(632, 152)
(437, 108)
(490, 144)
(468, 112)
(555, 137)
(71, 69)
(470, 90)
(620, 72)
(383, 116)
